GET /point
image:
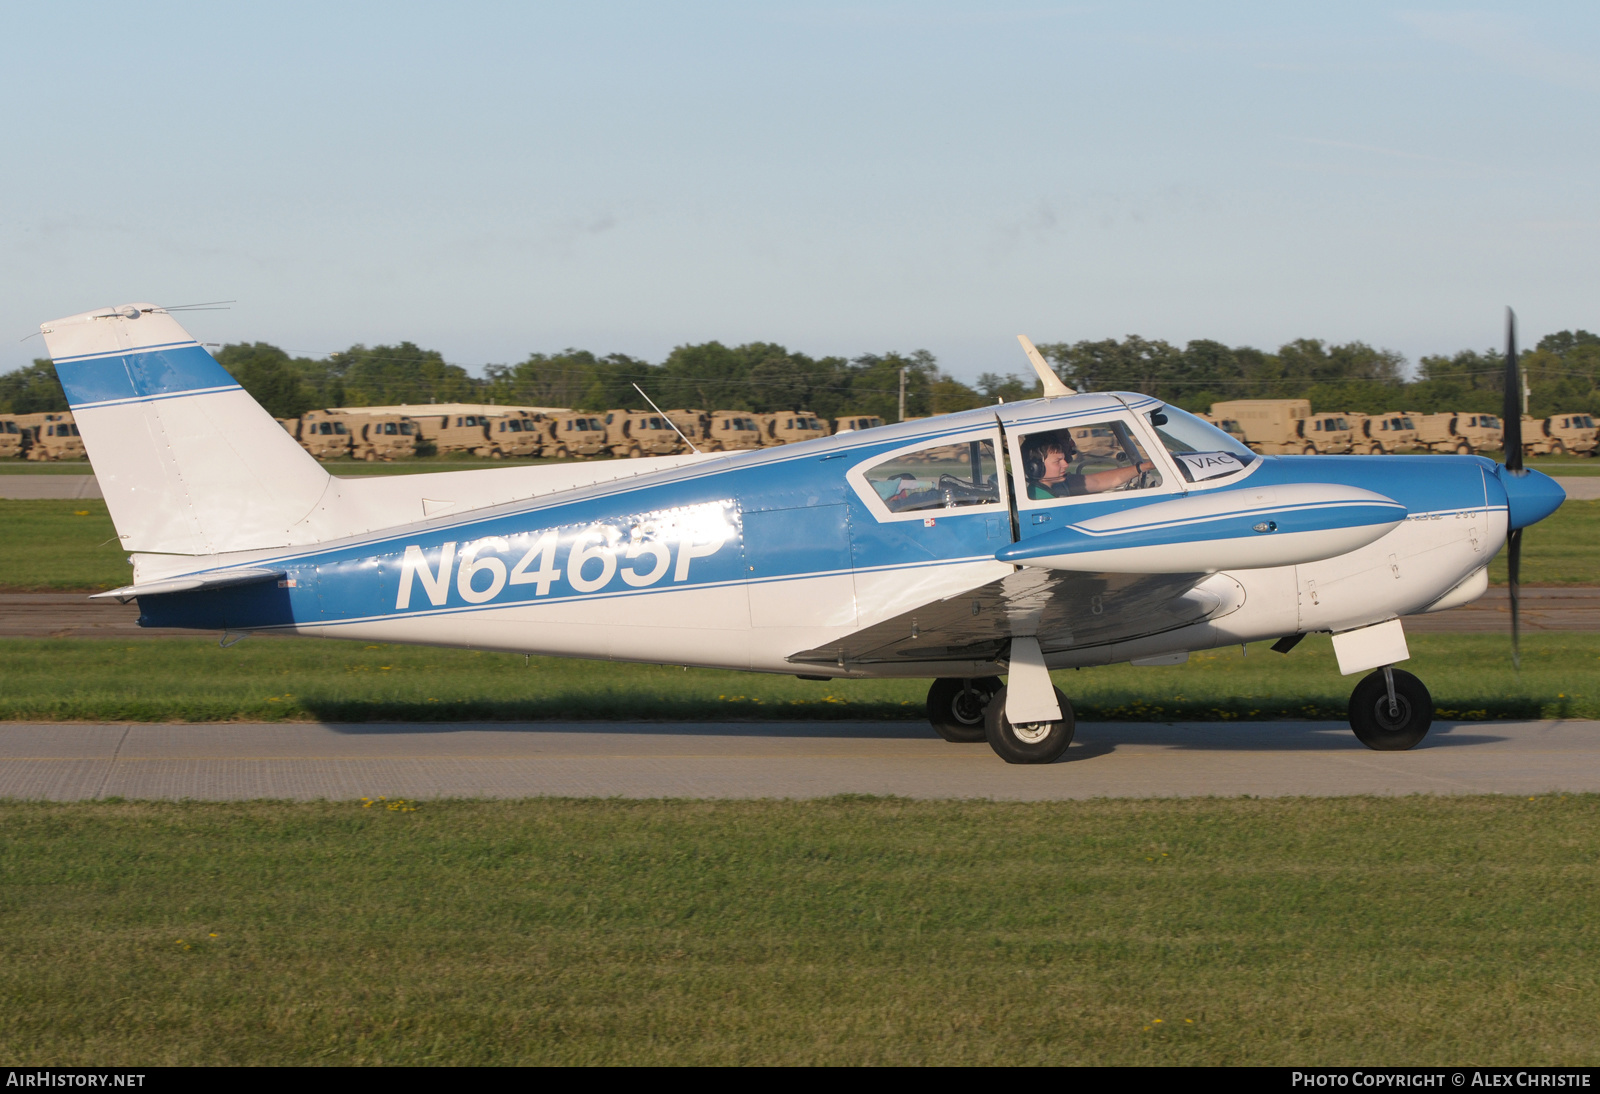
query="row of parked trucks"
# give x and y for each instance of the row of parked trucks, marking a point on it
(1283, 426)
(501, 432)
(1269, 426)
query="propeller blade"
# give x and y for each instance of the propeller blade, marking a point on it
(1513, 564)
(1511, 416)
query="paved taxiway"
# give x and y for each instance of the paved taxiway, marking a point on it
(775, 760)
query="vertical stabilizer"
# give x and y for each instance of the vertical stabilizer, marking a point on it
(188, 462)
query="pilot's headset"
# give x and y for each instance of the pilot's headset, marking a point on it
(1034, 449)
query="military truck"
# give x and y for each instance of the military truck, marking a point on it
(787, 426)
(1357, 421)
(1328, 434)
(1272, 427)
(1450, 431)
(1559, 435)
(14, 438)
(383, 437)
(1391, 431)
(575, 434)
(642, 433)
(518, 433)
(457, 432)
(1229, 426)
(692, 423)
(732, 431)
(52, 437)
(326, 434)
(850, 425)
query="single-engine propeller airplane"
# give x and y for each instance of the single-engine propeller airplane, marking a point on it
(1069, 530)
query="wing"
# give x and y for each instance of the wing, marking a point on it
(1064, 609)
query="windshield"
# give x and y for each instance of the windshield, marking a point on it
(1200, 449)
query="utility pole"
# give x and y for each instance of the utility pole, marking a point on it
(902, 395)
(1526, 391)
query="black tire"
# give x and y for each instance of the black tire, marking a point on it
(1463, 449)
(956, 707)
(372, 455)
(1310, 450)
(1014, 746)
(1375, 727)
(635, 452)
(562, 453)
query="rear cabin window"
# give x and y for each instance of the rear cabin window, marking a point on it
(947, 476)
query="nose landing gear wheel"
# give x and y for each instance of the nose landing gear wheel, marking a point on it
(1386, 728)
(956, 707)
(1035, 743)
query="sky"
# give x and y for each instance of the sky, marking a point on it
(493, 180)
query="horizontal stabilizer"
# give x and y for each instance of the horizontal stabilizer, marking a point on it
(216, 579)
(1223, 530)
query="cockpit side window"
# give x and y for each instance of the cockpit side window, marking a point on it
(1084, 458)
(956, 475)
(1201, 450)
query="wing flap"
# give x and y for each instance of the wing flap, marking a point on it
(1063, 609)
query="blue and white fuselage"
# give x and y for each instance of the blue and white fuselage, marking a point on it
(930, 548)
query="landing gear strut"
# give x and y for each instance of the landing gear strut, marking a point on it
(955, 707)
(1391, 710)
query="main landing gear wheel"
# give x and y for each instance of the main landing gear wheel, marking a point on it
(956, 707)
(1391, 726)
(1035, 743)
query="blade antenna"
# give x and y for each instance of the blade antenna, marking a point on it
(1047, 375)
(666, 419)
(1511, 431)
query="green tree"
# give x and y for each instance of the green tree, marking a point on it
(1013, 388)
(33, 389)
(406, 373)
(271, 378)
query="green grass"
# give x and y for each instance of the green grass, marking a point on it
(56, 546)
(1562, 549)
(69, 545)
(1422, 931)
(269, 679)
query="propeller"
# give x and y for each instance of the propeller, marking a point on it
(1511, 431)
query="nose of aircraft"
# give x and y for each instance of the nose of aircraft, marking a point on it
(1531, 496)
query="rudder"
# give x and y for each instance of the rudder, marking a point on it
(188, 462)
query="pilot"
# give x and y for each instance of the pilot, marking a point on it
(1046, 459)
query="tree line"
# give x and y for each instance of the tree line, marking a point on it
(1563, 372)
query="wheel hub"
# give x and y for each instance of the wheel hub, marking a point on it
(967, 708)
(1031, 732)
(1395, 722)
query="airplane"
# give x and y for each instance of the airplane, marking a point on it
(1072, 530)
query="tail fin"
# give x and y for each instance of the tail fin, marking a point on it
(188, 462)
